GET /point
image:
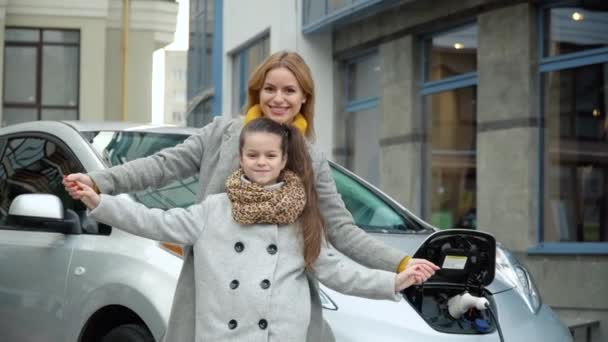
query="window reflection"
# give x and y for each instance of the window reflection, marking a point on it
(575, 29)
(576, 142)
(452, 53)
(453, 148)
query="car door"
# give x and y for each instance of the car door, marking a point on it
(33, 264)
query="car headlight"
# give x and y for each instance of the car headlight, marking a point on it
(520, 277)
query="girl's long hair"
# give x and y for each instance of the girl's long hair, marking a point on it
(294, 147)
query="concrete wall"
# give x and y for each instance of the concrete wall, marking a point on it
(401, 126)
(282, 20)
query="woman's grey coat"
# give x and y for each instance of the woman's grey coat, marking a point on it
(250, 283)
(212, 154)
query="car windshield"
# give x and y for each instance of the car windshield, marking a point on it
(117, 148)
(371, 211)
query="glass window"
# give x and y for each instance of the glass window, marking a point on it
(453, 131)
(41, 75)
(362, 119)
(370, 212)
(200, 50)
(575, 102)
(59, 77)
(120, 147)
(35, 165)
(313, 10)
(19, 76)
(22, 35)
(575, 29)
(363, 130)
(244, 63)
(452, 53)
(363, 78)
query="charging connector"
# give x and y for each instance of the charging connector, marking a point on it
(461, 303)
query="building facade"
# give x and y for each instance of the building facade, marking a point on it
(63, 59)
(484, 114)
(175, 87)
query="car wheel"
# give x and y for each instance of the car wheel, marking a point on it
(128, 333)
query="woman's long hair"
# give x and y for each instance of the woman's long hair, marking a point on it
(294, 147)
(293, 62)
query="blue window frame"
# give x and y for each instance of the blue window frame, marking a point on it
(573, 78)
(449, 90)
(245, 59)
(318, 15)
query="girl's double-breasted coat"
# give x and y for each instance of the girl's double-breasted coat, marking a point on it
(250, 283)
(212, 155)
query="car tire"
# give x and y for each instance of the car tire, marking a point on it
(128, 333)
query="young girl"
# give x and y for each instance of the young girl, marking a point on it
(253, 244)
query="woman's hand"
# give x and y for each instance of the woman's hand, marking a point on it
(427, 267)
(87, 195)
(69, 182)
(413, 275)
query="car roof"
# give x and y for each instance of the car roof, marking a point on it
(94, 126)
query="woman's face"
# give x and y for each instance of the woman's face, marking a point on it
(261, 157)
(281, 96)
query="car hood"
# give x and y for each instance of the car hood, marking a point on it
(409, 243)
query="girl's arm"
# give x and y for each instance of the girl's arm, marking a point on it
(346, 276)
(178, 225)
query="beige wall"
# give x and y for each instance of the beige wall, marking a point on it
(139, 77)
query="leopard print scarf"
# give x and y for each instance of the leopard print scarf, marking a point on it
(253, 203)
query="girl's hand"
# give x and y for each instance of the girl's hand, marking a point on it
(86, 194)
(414, 274)
(69, 182)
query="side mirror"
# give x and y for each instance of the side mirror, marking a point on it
(42, 213)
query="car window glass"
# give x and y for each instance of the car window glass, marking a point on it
(370, 212)
(35, 165)
(120, 147)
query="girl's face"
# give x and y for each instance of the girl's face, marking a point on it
(261, 157)
(281, 96)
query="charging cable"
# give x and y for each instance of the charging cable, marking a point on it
(495, 320)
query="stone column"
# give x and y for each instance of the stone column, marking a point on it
(401, 127)
(507, 132)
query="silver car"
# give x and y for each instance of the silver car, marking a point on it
(65, 277)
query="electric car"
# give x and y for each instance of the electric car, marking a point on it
(65, 277)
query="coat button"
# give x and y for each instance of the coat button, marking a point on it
(265, 284)
(263, 324)
(272, 249)
(234, 284)
(232, 324)
(239, 247)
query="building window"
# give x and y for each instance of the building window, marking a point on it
(200, 51)
(450, 115)
(41, 75)
(362, 121)
(574, 84)
(245, 60)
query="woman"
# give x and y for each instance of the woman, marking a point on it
(269, 201)
(282, 89)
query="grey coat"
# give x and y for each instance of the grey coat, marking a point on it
(212, 154)
(250, 283)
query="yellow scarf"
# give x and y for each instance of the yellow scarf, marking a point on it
(298, 122)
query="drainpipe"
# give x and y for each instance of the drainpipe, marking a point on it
(125, 56)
